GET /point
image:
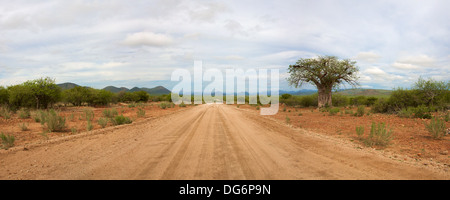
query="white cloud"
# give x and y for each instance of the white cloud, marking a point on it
(369, 57)
(404, 66)
(148, 39)
(375, 71)
(207, 12)
(231, 57)
(418, 60)
(388, 41)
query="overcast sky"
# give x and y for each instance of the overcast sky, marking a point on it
(140, 43)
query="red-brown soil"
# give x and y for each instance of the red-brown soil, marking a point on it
(411, 137)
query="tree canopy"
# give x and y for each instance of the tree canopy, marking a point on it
(325, 72)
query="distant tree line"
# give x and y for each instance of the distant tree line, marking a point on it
(44, 93)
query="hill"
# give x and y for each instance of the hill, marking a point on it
(115, 89)
(159, 90)
(364, 92)
(154, 91)
(67, 86)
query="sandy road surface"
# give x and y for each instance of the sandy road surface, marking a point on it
(205, 142)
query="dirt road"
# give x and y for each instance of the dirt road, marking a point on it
(205, 142)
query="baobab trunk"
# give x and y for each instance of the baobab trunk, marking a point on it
(324, 98)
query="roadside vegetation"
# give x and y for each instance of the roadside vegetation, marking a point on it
(59, 111)
(426, 99)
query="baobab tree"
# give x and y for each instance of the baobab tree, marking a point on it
(325, 72)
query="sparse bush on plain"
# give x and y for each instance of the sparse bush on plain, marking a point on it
(360, 131)
(88, 114)
(422, 112)
(349, 112)
(89, 125)
(120, 119)
(24, 113)
(163, 105)
(23, 127)
(73, 130)
(103, 122)
(406, 113)
(333, 111)
(54, 122)
(436, 127)
(361, 111)
(40, 116)
(379, 135)
(5, 112)
(182, 104)
(288, 120)
(7, 140)
(110, 113)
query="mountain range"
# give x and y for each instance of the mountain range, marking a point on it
(158, 90)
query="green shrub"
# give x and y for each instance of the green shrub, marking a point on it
(371, 101)
(339, 100)
(7, 140)
(333, 111)
(359, 100)
(5, 112)
(360, 131)
(381, 106)
(309, 100)
(422, 111)
(379, 135)
(23, 127)
(4, 96)
(73, 130)
(103, 122)
(89, 125)
(88, 114)
(120, 119)
(406, 112)
(349, 112)
(163, 105)
(182, 104)
(55, 122)
(24, 113)
(436, 127)
(361, 111)
(41, 117)
(110, 113)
